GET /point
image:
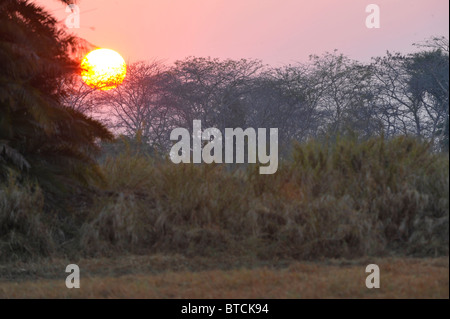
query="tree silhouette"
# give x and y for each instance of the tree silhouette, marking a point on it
(39, 137)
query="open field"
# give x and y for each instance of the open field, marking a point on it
(176, 276)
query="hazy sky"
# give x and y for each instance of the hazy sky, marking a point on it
(276, 31)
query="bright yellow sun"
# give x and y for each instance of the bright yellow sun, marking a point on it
(103, 69)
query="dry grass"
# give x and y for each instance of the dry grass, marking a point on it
(400, 278)
(345, 199)
(24, 232)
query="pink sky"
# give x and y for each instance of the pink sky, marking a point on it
(275, 31)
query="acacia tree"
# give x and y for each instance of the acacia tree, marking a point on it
(211, 90)
(138, 107)
(413, 93)
(345, 97)
(284, 98)
(38, 135)
(429, 83)
(76, 95)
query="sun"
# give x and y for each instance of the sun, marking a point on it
(103, 69)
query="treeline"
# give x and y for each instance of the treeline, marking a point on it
(40, 138)
(330, 95)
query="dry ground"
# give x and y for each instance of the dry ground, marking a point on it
(177, 276)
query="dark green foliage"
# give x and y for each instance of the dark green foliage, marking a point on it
(38, 136)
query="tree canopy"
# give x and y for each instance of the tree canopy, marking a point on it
(39, 137)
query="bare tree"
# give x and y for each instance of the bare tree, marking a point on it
(344, 95)
(413, 93)
(284, 98)
(212, 90)
(136, 106)
(328, 96)
(77, 95)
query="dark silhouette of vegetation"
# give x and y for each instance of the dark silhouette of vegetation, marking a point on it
(39, 137)
(328, 96)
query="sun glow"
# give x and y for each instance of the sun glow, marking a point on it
(103, 69)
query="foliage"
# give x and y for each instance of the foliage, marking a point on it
(330, 95)
(38, 136)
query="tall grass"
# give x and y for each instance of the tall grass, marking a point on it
(341, 199)
(24, 234)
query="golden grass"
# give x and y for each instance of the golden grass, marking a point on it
(400, 278)
(345, 199)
